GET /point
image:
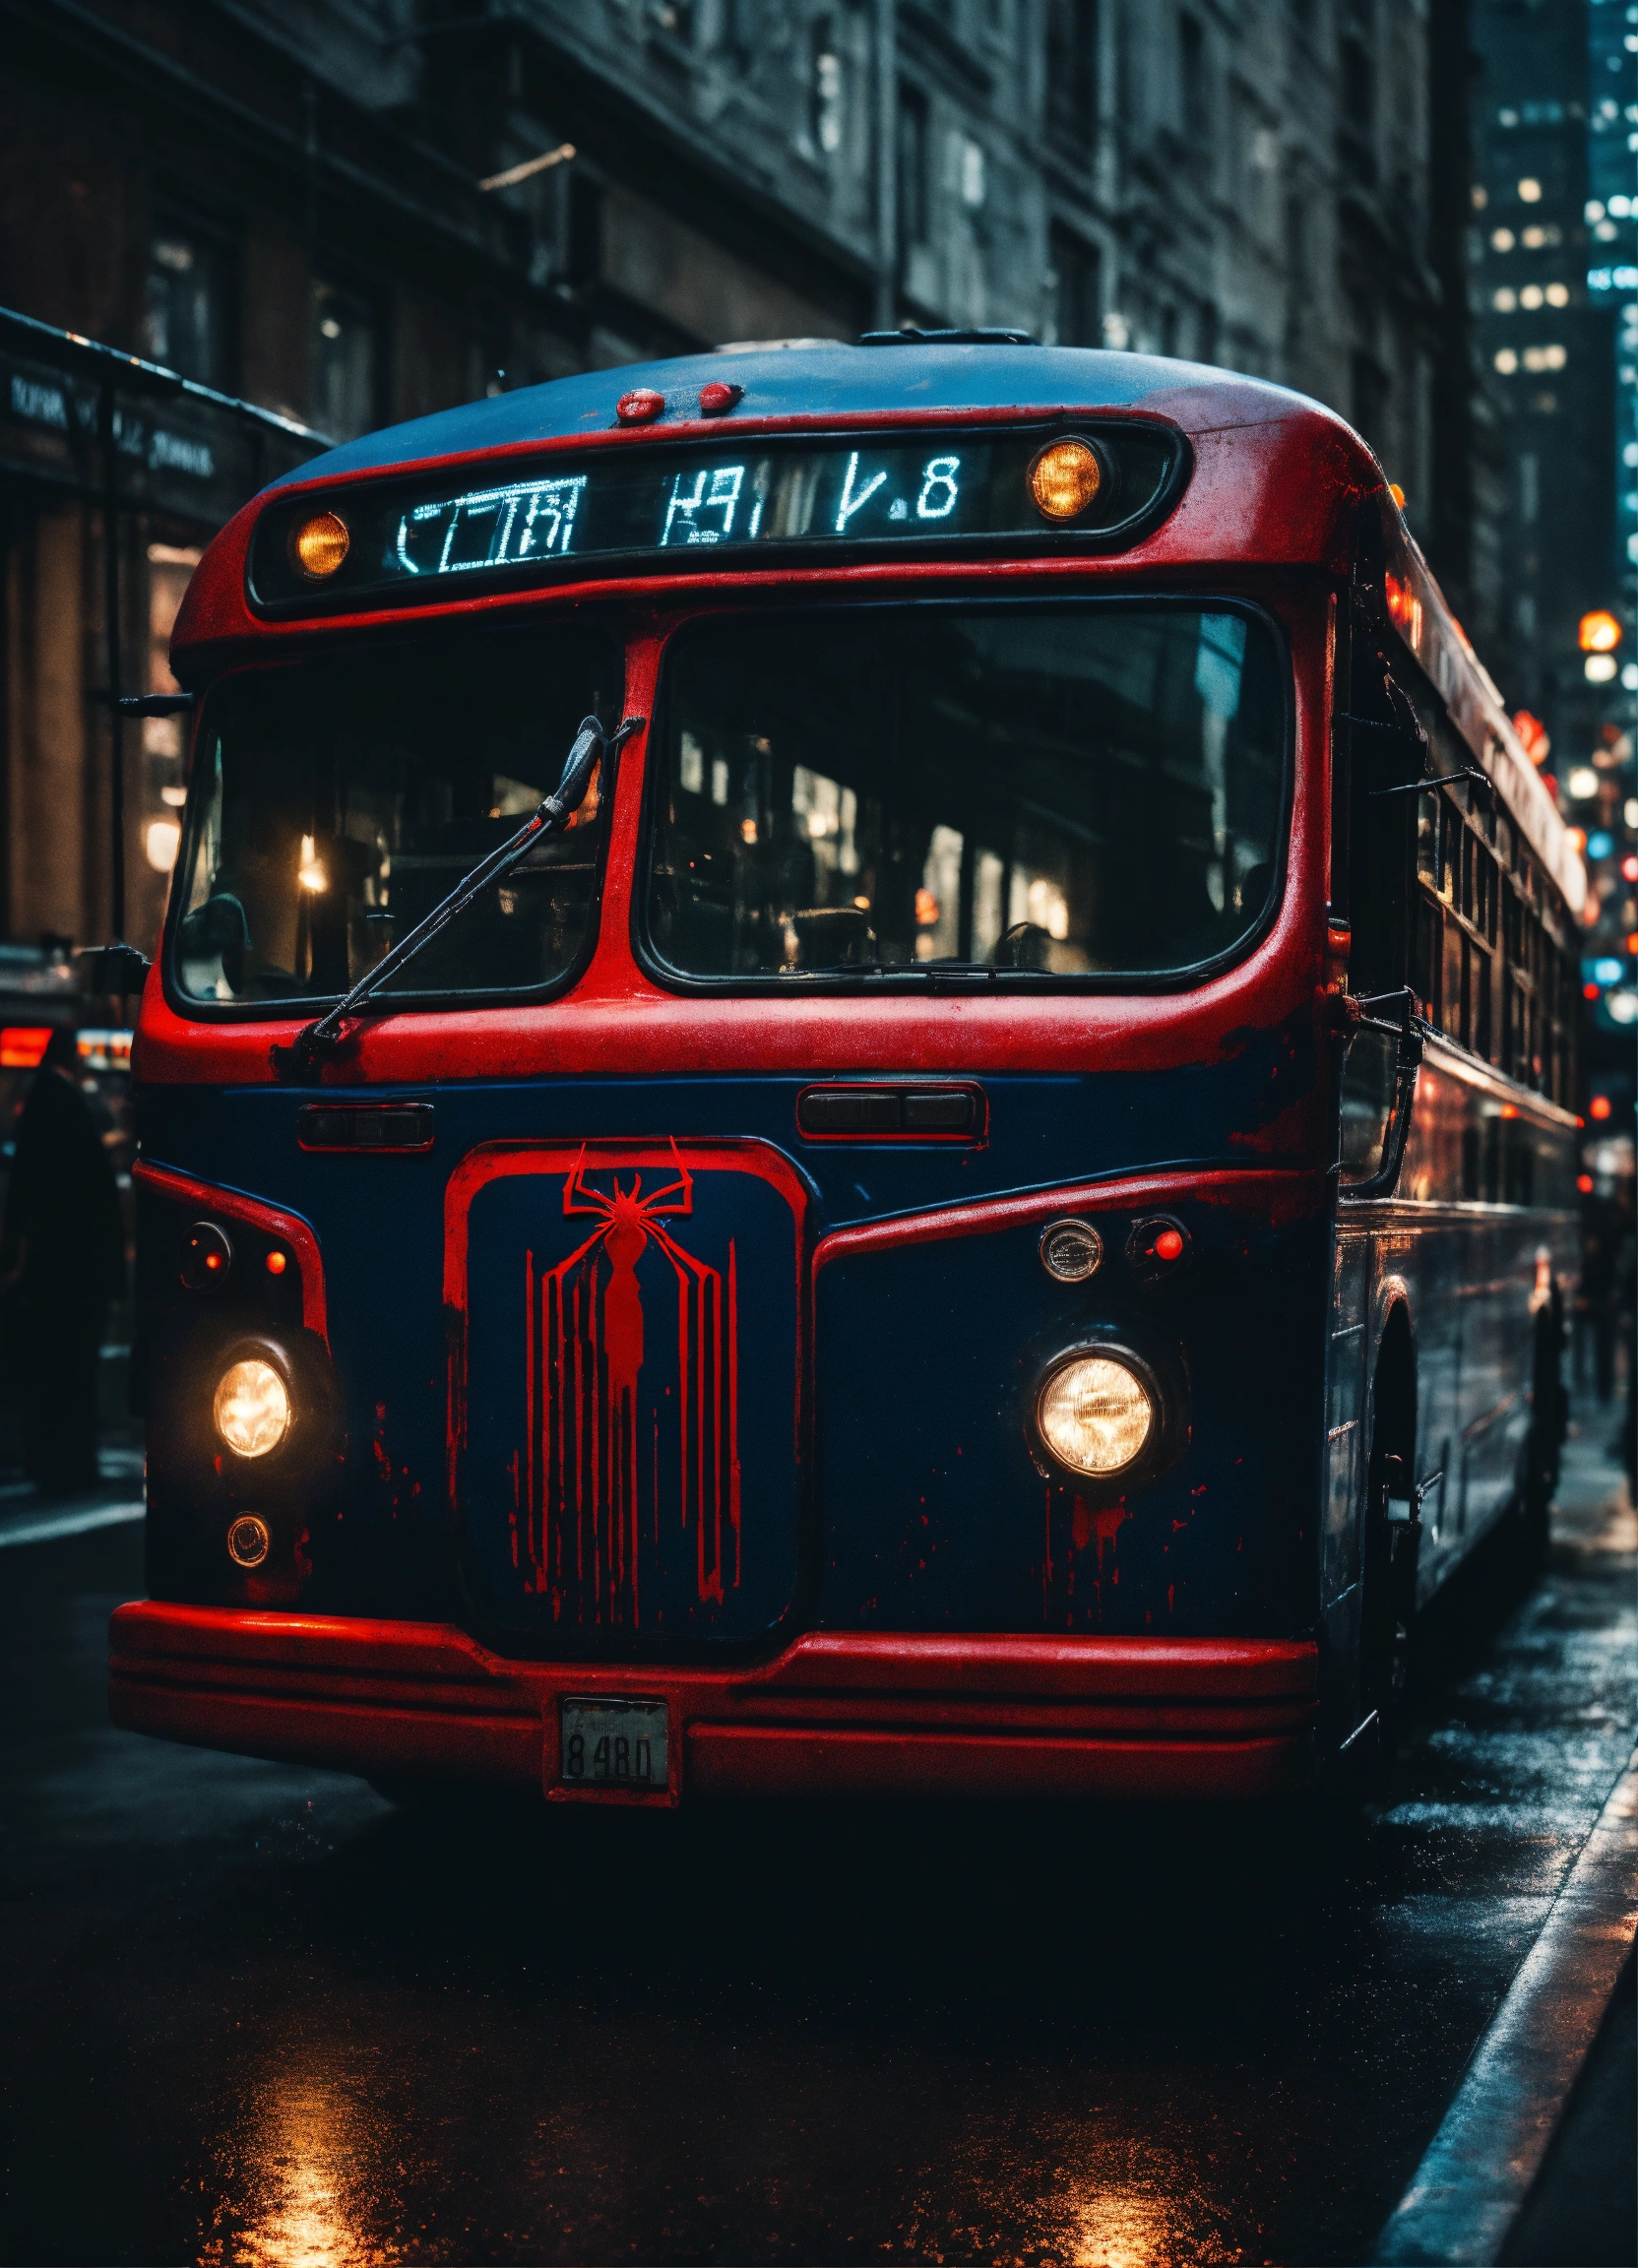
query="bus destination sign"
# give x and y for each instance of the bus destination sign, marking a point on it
(620, 505)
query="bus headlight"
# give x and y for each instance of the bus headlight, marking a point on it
(252, 1408)
(1094, 1415)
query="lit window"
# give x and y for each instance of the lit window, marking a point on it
(1532, 239)
(1502, 239)
(1507, 361)
(827, 119)
(1531, 296)
(1558, 295)
(1530, 190)
(344, 363)
(1504, 302)
(1595, 210)
(184, 322)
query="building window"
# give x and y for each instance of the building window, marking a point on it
(344, 363)
(1078, 316)
(1356, 71)
(913, 201)
(1072, 71)
(825, 90)
(1194, 102)
(186, 309)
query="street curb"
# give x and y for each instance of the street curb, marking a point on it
(47, 1526)
(1478, 2170)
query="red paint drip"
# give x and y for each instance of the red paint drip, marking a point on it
(586, 1355)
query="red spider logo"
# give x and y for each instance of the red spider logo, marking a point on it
(593, 1431)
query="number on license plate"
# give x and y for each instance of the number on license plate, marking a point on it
(614, 1744)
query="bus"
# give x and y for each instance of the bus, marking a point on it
(860, 1079)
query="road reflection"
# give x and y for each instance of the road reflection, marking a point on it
(293, 2199)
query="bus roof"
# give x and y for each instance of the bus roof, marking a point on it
(819, 378)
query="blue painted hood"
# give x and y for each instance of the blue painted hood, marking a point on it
(825, 380)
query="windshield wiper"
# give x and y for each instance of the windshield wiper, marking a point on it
(592, 746)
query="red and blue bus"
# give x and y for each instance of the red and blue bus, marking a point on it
(860, 1079)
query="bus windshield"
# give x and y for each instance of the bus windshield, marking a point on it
(1082, 790)
(338, 800)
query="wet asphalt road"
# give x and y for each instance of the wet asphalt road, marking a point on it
(257, 2015)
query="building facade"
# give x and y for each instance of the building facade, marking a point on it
(335, 210)
(1555, 130)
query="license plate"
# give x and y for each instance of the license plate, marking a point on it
(614, 1744)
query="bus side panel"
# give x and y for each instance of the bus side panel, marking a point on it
(1474, 1271)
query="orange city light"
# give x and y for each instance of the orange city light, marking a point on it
(1600, 632)
(319, 545)
(22, 1046)
(1533, 733)
(1599, 1107)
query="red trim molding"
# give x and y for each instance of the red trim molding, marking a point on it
(165, 1182)
(1277, 1194)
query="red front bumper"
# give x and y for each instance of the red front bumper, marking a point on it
(837, 1713)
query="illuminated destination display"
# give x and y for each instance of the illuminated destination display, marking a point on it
(408, 541)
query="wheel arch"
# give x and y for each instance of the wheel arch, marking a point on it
(1392, 1398)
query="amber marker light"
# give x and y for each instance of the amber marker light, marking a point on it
(1065, 480)
(276, 1263)
(1094, 1415)
(1599, 633)
(320, 545)
(252, 1408)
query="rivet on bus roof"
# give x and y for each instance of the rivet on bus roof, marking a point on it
(640, 407)
(717, 400)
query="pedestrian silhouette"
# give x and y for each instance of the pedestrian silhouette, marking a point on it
(62, 1259)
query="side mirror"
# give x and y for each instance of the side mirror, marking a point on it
(119, 969)
(1378, 1086)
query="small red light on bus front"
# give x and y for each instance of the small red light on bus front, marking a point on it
(639, 407)
(1168, 1244)
(717, 400)
(276, 1263)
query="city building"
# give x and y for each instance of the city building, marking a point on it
(1555, 195)
(350, 212)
